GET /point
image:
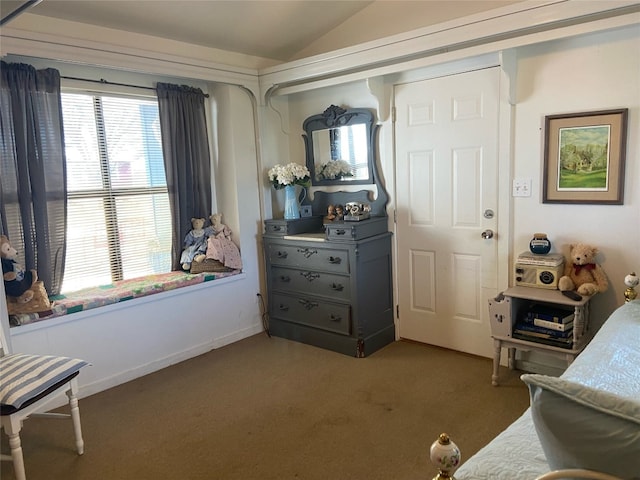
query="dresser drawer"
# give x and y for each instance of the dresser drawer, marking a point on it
(350, 231)
(313, 312)
(283, 227)
(311, 258)
(328, 285)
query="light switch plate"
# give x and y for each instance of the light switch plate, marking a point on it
(521, 187)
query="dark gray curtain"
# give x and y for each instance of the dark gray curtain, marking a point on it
(186, 158)
(33, 188)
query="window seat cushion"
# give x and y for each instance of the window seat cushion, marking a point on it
(121, 291)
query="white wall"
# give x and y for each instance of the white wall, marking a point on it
(587, 73)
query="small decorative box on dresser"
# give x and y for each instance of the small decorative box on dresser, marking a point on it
(332, 294)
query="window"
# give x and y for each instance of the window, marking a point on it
(119, 220)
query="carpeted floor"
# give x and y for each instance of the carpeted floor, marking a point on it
(267, 408)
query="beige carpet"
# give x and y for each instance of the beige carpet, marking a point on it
(268, 408)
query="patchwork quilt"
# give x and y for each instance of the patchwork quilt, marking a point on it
(121, 291)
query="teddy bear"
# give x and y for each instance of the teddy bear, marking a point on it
(582, 273)
(195, 244)
(18, 282)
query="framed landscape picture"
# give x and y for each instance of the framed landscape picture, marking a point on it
(584, 155)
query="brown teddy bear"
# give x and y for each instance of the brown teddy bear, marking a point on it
(582, 273)
(18, 282)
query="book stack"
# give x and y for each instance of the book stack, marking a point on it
(547, 325)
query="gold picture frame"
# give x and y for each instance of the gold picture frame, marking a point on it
(584, 157)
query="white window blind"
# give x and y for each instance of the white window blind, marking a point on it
(119, 221)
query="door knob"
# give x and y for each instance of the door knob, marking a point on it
(487, 234)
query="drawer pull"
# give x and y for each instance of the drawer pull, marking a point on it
(307, 252)
(340, 231)
(310, 276)
(307, 304)
(338, 287)
(285, 278)
(276, 228)
(335, 260)
(336, 318)
(280, 254)
(283, 307)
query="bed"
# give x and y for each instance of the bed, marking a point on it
(588, 418)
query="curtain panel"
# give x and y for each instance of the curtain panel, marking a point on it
(187, 159)
(33, 185)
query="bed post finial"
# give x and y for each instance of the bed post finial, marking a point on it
(630, 281)
(445, 455)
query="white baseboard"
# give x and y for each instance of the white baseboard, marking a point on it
(158, 364)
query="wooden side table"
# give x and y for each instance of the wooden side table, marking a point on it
(512, 305)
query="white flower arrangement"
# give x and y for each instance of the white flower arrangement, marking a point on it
(334, 169)
(281, 176)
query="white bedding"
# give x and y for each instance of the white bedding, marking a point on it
(515, 454)
(609, 363)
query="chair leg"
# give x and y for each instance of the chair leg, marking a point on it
(16, 455)
(75, 416)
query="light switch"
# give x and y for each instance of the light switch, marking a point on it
(521, 187)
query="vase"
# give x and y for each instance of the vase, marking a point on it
(291, 205)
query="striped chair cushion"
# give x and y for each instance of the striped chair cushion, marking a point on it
(23, 377)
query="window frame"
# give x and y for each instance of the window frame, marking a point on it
(108, 193)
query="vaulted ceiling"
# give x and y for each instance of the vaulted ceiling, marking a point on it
(281, 30)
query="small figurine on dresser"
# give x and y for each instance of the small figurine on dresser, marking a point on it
(195, 244)
(331, 214)
(219, 244)
(339, 212)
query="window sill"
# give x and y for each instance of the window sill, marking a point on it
(97, 300)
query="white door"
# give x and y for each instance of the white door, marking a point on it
(446, 135)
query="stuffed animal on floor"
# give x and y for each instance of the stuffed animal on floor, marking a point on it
(18, 282)
(582, 273)
(195, 244)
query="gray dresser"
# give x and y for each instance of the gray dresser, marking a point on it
(334, 294)
(329, 280)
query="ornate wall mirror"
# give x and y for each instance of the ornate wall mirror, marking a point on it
(340, 146)
(343, 137)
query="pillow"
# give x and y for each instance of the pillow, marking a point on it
(23, 376)
(581, 427)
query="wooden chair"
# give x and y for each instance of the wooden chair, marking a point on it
(27, 384)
